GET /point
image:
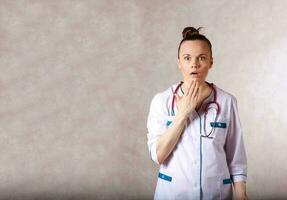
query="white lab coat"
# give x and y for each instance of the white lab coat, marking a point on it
(198, 167)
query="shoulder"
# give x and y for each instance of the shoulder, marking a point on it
(224, 96)
(162, 100)
(223, 93)
(226, 101)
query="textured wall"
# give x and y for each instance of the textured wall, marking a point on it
(77, 78)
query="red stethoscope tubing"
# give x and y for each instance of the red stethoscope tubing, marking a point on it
(173, 97)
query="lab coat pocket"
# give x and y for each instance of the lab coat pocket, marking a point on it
(219, 130)
(164, 188)
(211, 187)
(226, 189)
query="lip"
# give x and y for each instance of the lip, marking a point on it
(194, 73)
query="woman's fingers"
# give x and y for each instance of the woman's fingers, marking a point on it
(195, 91)
(196, 96)
(188, 88)
(191, 88)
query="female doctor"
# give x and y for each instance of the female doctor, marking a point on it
(194, 131)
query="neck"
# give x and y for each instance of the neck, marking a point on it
(202, 86)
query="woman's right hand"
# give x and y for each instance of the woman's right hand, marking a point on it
(185, 105)
(188, 102)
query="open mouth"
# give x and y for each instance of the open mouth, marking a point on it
(193, 73)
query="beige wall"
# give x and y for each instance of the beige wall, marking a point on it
(77, 78)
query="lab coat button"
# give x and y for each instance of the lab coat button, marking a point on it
(195, 185)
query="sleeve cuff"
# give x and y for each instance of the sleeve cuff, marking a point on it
(239, 177)
(153, 154)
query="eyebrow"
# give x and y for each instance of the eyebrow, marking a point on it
(202, 54)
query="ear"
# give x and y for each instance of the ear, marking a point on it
(211, 63)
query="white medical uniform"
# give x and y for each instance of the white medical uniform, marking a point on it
(198, 167)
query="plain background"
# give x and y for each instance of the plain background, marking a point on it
(77, 78)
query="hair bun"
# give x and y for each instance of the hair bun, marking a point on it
(189, 31)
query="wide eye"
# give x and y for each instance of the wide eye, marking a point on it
(202, 58)
(187, 58)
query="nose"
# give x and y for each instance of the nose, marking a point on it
(194, 63)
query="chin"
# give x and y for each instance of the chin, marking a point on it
(189, 79)
(196, 79)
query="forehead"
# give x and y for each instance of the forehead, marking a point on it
(194, 47)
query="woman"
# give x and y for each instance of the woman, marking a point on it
(194, 131)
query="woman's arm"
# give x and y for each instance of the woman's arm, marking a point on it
(169, 139)
(186, 105)
(240, 190)
(235, 153)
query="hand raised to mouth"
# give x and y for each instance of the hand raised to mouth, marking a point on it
(188, 102)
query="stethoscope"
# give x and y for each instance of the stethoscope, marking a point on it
(210, 105)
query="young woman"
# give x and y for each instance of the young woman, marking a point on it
(194, 131)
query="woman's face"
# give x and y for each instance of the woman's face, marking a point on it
(194, 60)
